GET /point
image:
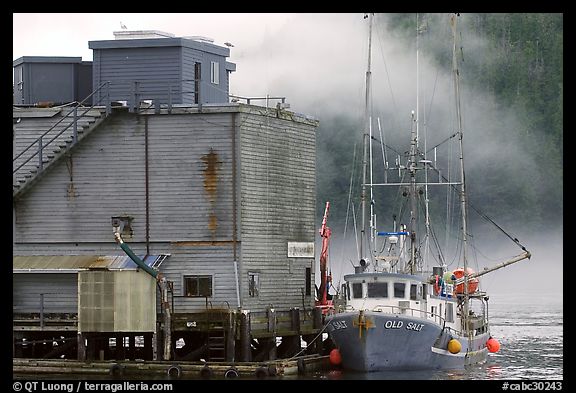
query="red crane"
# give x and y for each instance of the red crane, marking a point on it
(325, 278)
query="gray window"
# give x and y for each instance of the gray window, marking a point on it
(253, 284)
(214, 72)
(413, 291)
(198, 286)
(357, 290)
(377, 289)
(399, 289)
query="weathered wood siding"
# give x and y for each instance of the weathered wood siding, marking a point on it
(60, 292)
(155, 70)
(278, 188)
(190, 189)
(190, 197)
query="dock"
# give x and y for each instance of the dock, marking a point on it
(171, 369)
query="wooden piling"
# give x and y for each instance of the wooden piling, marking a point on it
(245, 346)
(81, 347)
(231, 337)
(272, 354)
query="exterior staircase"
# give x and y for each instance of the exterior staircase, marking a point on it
(42, 136)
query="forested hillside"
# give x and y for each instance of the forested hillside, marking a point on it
(517, 59)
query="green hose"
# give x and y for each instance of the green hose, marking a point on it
(138, 261)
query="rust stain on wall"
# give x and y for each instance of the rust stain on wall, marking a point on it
(211, 170)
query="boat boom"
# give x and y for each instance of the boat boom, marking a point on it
(518, 258)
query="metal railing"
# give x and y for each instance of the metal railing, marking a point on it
(74, 124)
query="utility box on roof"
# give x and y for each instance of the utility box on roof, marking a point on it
(153, 65)
(58, 80)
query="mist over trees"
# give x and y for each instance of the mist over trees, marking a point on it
(512, 68)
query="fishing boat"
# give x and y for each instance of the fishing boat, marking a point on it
(401, 310)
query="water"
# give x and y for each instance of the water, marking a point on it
(529, 328)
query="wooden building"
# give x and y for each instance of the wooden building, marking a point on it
(219, 198)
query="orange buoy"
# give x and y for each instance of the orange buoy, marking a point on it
(454, 346)
(472, 283)
(493, 345)
(335, 357)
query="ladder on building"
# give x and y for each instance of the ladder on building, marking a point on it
(218, 323)
(217, 343)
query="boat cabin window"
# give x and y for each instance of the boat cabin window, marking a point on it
(413, 292)
(345, 292)
(449, 312)
(377, 289)
(399, 289)
(357, 290)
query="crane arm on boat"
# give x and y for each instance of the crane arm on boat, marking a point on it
(525, 255)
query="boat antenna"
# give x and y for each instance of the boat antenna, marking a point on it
(413, 190)
(456, 74)
(366, 140)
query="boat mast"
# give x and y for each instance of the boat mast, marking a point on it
(366, 139)
(413, 190)
(453, 21)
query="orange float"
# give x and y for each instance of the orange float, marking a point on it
(472, 283)
(493, 345)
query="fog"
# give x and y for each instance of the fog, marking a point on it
(542, 274)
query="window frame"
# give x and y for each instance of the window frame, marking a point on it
(396, 289)
(215, 72)
(198, 277)
(374, 286)
(257, 286)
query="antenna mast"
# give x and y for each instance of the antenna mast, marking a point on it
(366, 140)
(453, 22)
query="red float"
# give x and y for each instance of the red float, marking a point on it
(335, 357)
(493, 345)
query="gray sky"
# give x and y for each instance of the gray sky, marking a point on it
(276, 54)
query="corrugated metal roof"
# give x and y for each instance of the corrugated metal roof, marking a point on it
(73, 263)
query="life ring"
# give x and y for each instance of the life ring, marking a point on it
(437, 285)
(231, 373)
(301, 367)
(261, 372)
(174, 371)
(206, 372)
(116, 370)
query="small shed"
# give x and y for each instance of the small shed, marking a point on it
(157, 66)
(58, 80)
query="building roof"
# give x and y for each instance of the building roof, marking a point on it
(75, 263)
(48, 59)
(161, 42)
